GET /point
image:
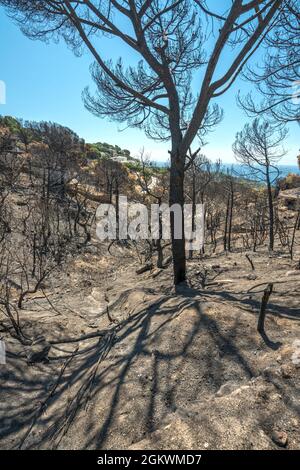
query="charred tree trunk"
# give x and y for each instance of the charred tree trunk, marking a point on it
(262, 314)
(271, 212)
(297, 222)
(177, 197)
(231, 202)
(62, 184)
(160, 257)
(225, 239)
(117, 193)
(193, 208)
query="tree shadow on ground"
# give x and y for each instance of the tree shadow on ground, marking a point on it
(139, 350)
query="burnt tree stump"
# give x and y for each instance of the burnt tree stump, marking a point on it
(264, 302)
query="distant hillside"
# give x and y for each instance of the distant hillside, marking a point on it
(93, 151)
(101, 150)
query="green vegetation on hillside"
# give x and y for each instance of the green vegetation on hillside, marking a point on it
(101, 150)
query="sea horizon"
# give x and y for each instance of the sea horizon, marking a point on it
(239, 170)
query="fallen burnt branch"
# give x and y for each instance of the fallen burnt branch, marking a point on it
(50, 303)
(96, 334)
(157, 273)
(43, 406)
(263, 284)
(251, 262)
(82, 396)
(145, 268)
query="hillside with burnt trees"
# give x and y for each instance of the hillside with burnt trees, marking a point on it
(147, 305)
(88, 323)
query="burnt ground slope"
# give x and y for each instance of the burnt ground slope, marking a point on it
(184, 369)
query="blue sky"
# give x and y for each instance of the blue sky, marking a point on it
(45, 82)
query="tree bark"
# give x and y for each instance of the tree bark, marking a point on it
(160, 257)
(271, 213)
(225, 239)
(262, 314)
(193, 208)
(231, 202)
(297, 221)
(177, 197)
(117, 194)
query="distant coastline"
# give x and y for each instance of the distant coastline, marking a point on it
(239, 170)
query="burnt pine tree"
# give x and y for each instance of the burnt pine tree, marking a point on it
(278, 79)
(62, 148)
(175, 42)
(258, 147)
